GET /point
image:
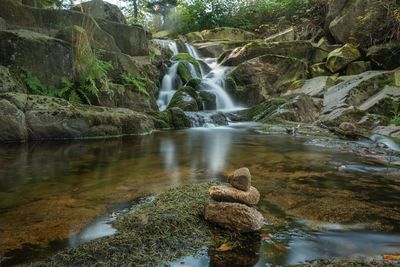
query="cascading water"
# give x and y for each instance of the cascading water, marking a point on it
(213, 80)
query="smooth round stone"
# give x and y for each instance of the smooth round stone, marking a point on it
(240, 179)
(227, 193)
(234, 216)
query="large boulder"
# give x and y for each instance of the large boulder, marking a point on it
(216, 48)
(297, 49)
(51, 21)
(49, 118)
(386, 56)
(8, 83)
(226, 193)
(226, 33)
(185, 98)
(339, 58)
(359, 21)
(234, 216)
(255, 80)
(173, 118)
(101, 10)
(351, 98)
(12, 122)
(46, 57)
(295, 108)
(382, 102)
(314, 87)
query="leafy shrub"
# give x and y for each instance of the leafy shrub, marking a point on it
(139, 83)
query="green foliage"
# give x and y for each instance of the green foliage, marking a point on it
(396, 113)
(139, 83)
(198, 15)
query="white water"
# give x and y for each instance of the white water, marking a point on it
(213, 79)
(170, 44)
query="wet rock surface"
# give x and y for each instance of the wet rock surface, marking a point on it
(231, 207)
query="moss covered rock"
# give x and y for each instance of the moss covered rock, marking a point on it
(186, 98)
(339, 58)
(208, 100)
(297, 49)
(255, 80)
(194, 83)
(188, 67)
(172, 118)
(193, 36)
(226, 33)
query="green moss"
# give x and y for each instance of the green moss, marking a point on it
(194, 83)
(162, 120)
(151, 234)
(183, 72)
(187, 99)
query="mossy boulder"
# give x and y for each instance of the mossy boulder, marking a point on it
(296, 108)
(359, 21)
(8, 83)
(208, 100)
(193, 36)
(297, 49)
(351, 98)
(339, 58)
(386, 56)
(194, 83)
(102, 10)
(186, 98)
(172, 118)
(188, 67)
(255, 80)
(50, 118)
(226, 33)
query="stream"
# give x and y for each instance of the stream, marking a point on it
(55, 195)
(320, 202)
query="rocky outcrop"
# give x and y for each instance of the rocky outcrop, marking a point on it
(302, 50)
(51, 58)
(104, 34)
(34, 117)
(255, 80)
(230, 207)
(296, 108)
(101, 10)
(215, 48)
(354, 96)
(226, 33)
(358, 21)
(314, 87)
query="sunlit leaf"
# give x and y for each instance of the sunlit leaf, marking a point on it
(225, 247)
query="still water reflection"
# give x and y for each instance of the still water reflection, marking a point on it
(49, 191)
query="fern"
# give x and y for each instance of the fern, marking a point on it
(138, 82)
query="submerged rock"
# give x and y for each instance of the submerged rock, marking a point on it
(234, 216)
(226, 193)
(240, 179)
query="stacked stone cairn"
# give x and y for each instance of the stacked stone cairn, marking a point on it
(231, 206)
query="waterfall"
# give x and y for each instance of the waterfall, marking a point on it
(170, 44)
(212, 79)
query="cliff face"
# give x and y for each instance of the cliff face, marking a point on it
(87, 55)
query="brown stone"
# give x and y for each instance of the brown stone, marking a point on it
(241, 179)
(229, 194)
(234, 216)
